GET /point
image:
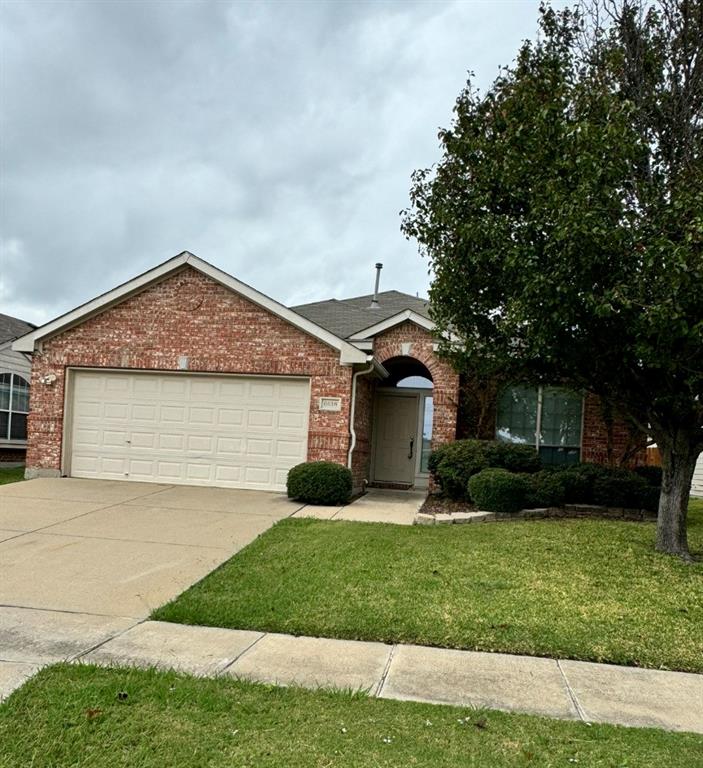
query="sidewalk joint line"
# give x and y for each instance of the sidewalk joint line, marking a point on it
(67, 610)
(83, 514)
(572, 694)
(386, 670)
(241, 653)
(81, 654)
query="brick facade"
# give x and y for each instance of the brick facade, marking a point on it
(609, 439)
(188, 314)
(363, 427)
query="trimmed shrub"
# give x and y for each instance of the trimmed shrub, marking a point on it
(497, 490)
(653, 475)
(320, 482)
(453, 464)
(511, 456)
(579, 480)
(545, 489)
(620, 488)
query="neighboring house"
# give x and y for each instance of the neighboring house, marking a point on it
(186, 375)
(14, 390)
(697, 484)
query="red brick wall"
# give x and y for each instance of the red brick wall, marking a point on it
(444, 378)
(188, 314)
(615, 444)
(363, 427)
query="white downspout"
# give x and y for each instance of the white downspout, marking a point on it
(352, 412)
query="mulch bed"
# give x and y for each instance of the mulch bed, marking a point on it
(436, 504)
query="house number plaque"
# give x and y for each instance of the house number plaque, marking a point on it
(330, 403)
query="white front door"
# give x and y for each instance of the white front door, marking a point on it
(396, 437)
(230, 431)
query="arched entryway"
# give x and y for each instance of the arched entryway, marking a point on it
(403, 423)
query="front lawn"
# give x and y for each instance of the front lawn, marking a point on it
(581, 589)
(87, 716)
(11, 474)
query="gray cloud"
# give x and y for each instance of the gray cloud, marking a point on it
(275, 140)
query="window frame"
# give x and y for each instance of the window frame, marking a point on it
(6, 438)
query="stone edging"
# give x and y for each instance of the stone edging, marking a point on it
(567, 511)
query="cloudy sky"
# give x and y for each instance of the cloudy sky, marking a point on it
(273, 139)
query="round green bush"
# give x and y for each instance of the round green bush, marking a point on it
(453, 464)
(320, 482)
(497, 490)
(545, 489)
(512, 456)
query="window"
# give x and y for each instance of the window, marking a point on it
(427, 417)
(14, 406)
(547, 417)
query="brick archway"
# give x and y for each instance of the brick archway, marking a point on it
(409, 340)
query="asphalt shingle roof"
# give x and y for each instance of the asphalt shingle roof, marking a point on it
(345, 317)
(12, 327)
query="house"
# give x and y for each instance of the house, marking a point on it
(14, 390)
(697, 484)
(186, 375)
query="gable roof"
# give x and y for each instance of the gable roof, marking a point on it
(347, 318)
(348, 353)
(12, 327)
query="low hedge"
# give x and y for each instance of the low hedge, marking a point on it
(545, 489)
(320, 482)
(580, 484)
(620, 488)
(497, 490)
(453, 464)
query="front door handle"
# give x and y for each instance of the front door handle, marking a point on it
(412, 445)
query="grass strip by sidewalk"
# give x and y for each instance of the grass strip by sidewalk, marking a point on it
(11, 475)
(580, 589)
(89, 716)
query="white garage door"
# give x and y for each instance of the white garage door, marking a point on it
(231, 431)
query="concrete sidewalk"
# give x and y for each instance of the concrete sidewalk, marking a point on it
(377, 505)
(563, 689)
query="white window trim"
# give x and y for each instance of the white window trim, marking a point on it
(6, 440)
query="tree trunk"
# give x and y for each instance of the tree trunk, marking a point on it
(679, 453)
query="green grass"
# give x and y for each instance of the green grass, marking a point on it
(581, 589)
(11, 474)
(72, 716)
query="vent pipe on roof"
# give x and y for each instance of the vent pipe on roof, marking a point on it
(374, 301)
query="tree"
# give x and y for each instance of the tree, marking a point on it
(564, 223)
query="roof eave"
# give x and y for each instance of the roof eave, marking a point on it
(348, 353)
(407, 315)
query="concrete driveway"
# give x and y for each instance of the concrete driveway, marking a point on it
(117, 548)
(84, 560)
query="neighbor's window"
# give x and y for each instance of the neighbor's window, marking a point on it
(547, 417)
(14, 407)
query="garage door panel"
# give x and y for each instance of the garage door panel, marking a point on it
(290, 420)
(202, 416)
(243, 432)
(230, 417)
(199, 443)
(113, 410)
